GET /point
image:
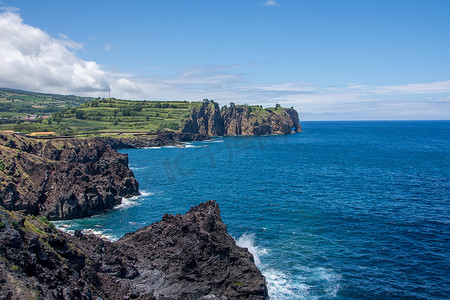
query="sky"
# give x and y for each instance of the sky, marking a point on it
(329, 59)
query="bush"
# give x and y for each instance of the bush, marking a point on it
(169, 125)
(79, 114)
(45, 221)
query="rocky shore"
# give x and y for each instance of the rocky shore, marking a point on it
(158, 139)
(62, 178)
(188, 256)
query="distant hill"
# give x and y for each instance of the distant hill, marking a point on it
(28, 112)
(18, 103)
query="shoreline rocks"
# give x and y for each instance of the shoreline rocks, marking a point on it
(188, 256)
(62, 178)
(158, 139)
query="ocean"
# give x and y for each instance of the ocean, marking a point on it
(343, 210)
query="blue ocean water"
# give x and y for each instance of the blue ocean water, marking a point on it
(344, 210)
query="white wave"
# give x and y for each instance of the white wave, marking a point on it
(68, 228)
(145, 194)
(159, 147)
(63, 226)
(311, 283)
(127, 203)
(281, 285)
(307, 283)
(248, 241)
(194, 146)
(133, 201)
(99, 233)
(138, 168)
(213, 141)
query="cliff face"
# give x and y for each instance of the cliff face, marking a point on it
(187, 256)
(206, 120)
(242, 120)
(63, 178)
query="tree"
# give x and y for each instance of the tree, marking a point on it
(79, 114)
(232, 104)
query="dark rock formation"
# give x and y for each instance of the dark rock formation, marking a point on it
(187, 256)
(158, 139)
(242, 120)
(62, 178)
(206, 120)
(193, 255)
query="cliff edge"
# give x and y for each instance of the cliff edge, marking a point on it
(62, 178)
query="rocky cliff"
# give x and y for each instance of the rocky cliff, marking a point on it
(62, 178)
(187, 256)
(206, 120)
(242, 120)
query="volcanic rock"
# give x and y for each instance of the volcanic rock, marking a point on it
(187, 256)
(62, 178)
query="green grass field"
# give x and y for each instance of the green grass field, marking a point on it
(126, 115)
(17, 104)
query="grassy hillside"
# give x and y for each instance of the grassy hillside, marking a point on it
(113, 116)
(17, 104)
(127, 115)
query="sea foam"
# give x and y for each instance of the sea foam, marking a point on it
(132, 201)
(248, 241)
(309, 283)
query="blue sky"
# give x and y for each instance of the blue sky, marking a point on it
(331, 60)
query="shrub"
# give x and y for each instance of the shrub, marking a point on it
(44, 220)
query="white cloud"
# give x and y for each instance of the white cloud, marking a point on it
(33, 60)
(417, 88)
(352, 101)
(270, 3)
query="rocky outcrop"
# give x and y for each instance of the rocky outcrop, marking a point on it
(62, 178)
(206, 120)
(242, 120)
(187, 256)
(158, 139)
